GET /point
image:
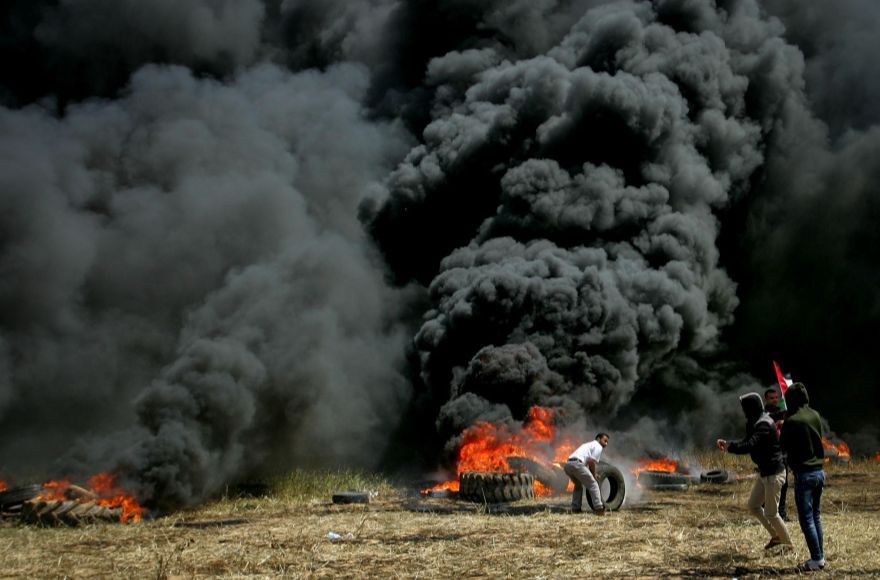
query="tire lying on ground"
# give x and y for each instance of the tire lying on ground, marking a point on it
(351, 497)
(67, 513)
(610, 479)
(495, 487)
(13, 498)
(715, 476)
(663, 480)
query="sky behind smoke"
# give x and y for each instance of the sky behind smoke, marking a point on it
(240, 236)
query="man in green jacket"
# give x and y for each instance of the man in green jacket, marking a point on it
(802, 443)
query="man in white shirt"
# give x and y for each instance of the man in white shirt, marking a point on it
(581, 469)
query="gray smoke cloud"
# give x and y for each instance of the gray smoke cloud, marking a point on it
(192, 33)
(225, 224)
(188, 259)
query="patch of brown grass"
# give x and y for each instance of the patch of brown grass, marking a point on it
(703, 532)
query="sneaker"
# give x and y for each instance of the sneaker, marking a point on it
(812, 565)
(600, 511)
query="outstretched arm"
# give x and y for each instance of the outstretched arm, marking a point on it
(762, 430)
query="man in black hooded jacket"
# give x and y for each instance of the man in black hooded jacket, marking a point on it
(762, 444)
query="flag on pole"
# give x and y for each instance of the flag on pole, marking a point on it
(784, 383)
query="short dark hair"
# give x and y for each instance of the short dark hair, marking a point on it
(768, 391)
(601, 434)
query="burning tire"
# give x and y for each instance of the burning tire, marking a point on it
(553, 477)
(663, 480)
(612, 486)
(489, 487)
(67, 513)
(12, 499)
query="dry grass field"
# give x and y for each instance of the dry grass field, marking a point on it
(702, 532)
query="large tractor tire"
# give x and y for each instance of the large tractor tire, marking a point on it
(612, 486)
(553, 476)
(67, 513)
(494, 487)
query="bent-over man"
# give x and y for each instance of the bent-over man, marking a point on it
(581, 469)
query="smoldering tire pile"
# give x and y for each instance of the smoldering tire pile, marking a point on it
(76, 509)
(67, 513)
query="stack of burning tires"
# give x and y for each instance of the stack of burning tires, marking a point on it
(495, 487)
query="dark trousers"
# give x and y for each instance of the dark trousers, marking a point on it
(782, 492)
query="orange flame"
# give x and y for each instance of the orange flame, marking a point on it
(114, 497)
(485, 446)
(664, 464)
(54, 490)
(3, 486)
(102, 485)
(835, 449)
(877, 457)
(451, 485)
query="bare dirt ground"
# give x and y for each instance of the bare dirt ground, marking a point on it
(702, 532)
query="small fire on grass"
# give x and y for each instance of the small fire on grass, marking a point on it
(3, 486)
(877, 456)
(486, 446)
(101, 490)
(839, 450)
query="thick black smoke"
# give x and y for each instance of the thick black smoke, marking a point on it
(617, 209)
(571, 203)
(187, 259)
(807, 253)
(601, 202)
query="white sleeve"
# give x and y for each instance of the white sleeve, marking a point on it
(595, 450)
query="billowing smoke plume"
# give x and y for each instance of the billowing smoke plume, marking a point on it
(571, 203)
(187, 258)
(227, 225)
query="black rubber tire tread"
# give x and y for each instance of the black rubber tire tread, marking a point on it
(495, 487)
(351, 497)
(18, 495)
(670, 487)
(650, 479)
(67, 513)
(715, 476)
(617, 486)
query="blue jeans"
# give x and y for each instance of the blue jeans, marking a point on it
(807, 496)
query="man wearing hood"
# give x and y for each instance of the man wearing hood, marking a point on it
(802, 442)
(762, 444)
